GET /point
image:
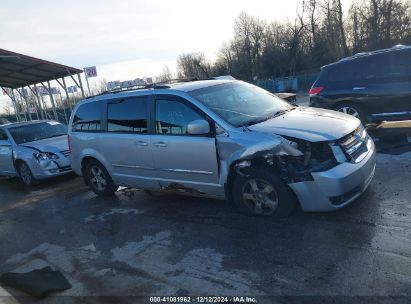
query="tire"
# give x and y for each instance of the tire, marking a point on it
(250, 197)
(351, 109)
(98, 179)
(25, 174)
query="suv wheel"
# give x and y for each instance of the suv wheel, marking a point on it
(351, 109)
(99, 179)
(25, 174)
(262, 193)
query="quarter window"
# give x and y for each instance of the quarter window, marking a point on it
(87, 118)
(129, 115)
(3, 135)
(172, 117)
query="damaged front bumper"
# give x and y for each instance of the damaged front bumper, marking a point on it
(335, 188)
(49, 168)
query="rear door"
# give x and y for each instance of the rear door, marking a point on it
(6, 154)
(387, 85)
(180, 159)
(127, 143)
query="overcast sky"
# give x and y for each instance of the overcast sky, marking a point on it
(126, 39)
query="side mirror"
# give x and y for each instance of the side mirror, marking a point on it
(198, 127)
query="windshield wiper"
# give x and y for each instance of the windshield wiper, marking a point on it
(261, 119)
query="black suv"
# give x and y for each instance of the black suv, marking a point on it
(373, 86)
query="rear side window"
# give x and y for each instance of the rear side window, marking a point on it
(387, 67)
(345, 71)
(87, 118)
(128, 115)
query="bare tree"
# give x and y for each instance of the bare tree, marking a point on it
(166, 75)
(194, 65)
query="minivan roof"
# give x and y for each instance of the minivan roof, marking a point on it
(395, 48)
(178, 86)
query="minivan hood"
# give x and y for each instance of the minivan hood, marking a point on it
(54, 144)
(311, 124)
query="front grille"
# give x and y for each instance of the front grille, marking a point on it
(354, 144)
(66, 153)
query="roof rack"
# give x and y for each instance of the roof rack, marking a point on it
(158, 86)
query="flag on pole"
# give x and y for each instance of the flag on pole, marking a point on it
(90, 71)
(72, 89)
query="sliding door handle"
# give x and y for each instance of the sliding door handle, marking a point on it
(141, 143)
(160, 144)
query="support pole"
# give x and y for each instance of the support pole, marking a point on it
(36, 105)
(78, 84)
(88, 85)
(43, 102)
(26, 102)
(20, 103)
(36, 94)
(53, 105)
(81, 86)
(62, 84)
(67, 94)
(13, 101)
(17, 104)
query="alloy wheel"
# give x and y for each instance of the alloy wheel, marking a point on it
(260, 196)
(97, 178)
(350, 111)
(25, 174)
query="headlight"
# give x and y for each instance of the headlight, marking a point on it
(362, 131)
(45, 156)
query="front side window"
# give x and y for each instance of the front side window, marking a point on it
(38, 131)
(240, 103)
(87, 118)
(173, 117)
(128, 115)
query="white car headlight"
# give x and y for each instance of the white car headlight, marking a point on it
(45, 156)
(362, 132)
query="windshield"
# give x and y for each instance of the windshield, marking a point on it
(38, 131)
(240, 103)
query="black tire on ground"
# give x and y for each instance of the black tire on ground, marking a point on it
(99, 179)
(279, 200)
(25, 174)
(351, 109)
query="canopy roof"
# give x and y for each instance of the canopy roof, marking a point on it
(18, 70)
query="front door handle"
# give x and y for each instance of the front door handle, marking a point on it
(358, 88)
(141, 143)
(160, 144)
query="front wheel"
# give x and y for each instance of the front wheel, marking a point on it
(262, 193)
(25, 174)
(99, 179)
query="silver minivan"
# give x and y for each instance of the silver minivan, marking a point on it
(222, 138)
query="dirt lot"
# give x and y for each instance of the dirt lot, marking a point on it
(140, 244)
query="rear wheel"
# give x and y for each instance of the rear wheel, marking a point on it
(351, 109)
(25, 174)
(99, 179)
(262, 193)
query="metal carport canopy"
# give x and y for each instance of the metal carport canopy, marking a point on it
(17, 70)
